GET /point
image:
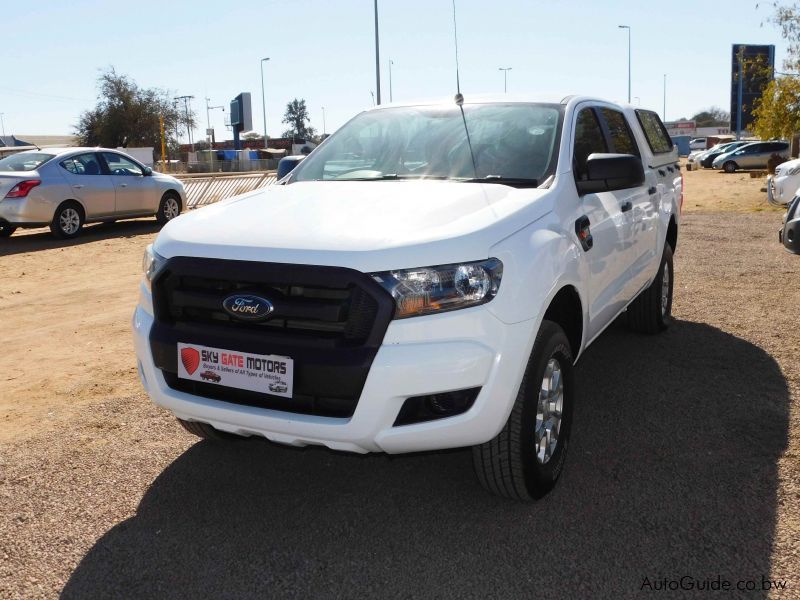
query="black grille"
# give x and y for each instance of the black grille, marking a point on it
(329, 320)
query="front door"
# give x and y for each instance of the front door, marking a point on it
(135, 190)
(610, 228)
(89, 184)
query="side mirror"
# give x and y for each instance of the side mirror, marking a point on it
(608, 172)
(287, 164)
(147, 171)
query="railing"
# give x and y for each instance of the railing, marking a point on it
(207, 188)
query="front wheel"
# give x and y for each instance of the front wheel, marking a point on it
(729, 167)
(169, 208)
(524, 461)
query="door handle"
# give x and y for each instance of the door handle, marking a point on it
(626, 206)
(652, 190)
(78, 186)
(123, 185)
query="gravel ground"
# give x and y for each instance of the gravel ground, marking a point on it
(685, 462)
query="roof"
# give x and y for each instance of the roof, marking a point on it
(507, 98)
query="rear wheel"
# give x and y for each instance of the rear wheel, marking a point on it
(207, 432)
(651, 312)
(67, 220)
(730, 167)
(6, 229)
(169, 208)
(525, 460)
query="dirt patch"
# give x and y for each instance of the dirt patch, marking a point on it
(708, 190)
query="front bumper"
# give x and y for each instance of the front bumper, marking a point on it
(789, 234)
(438, 353)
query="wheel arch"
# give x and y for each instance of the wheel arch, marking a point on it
(566, 310)
(175, 193)
(71, 201)
(672, 233)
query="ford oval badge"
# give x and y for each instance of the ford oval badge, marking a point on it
(247, 307)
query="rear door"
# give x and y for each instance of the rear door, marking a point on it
(88, 183)
(135, 191)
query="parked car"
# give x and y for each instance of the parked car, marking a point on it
(210, 376)
(67, 187)
(755, 155)
(789, 233)
(783, 185)
(700, 143)
(707, 158)
(434, 276)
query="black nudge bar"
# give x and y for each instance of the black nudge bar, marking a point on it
(329, 320)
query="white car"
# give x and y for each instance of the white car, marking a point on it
(425, 279)
(783, 185)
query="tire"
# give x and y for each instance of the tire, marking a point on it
(6, 229)
(169, 208)
(67, 220)
(651, 312)
(512, 464)
(730, 167)
(207, 432)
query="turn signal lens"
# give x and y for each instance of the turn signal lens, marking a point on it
(22, 188)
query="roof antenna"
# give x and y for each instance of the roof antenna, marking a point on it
(459, 97)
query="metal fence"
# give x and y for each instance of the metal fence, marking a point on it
(207, 188)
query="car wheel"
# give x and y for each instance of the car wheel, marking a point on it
(729, 167)
(169, 208)
(651, 312)
(67, 220)
(207, 432)
(6, 229)
(524, 461)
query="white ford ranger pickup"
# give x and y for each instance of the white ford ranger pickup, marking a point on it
(425, 279)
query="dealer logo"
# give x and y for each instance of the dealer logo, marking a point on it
(190, 359)
(246, 307)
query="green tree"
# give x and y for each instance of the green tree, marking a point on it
(296, 116)
(712, 116)
(127, 115)
(777, 112)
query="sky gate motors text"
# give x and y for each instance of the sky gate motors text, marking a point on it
(231, 359)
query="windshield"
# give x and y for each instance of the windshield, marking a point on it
(509, 142)
(24, 161)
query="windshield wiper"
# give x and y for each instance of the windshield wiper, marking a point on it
(512, 181)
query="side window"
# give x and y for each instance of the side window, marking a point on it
(620, 132)
(119, 165)
(82, 164)
(588, 139)
(654, 131)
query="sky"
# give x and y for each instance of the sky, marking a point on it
(324, 52)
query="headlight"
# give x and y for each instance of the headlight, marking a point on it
(445, 287)
(151, 264)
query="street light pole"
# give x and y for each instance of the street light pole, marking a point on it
(391, 97)
(629, 59)
(664, 107)
(505, 71)
(377, 57)
(264, 101)
(323, 120)
(2, 124)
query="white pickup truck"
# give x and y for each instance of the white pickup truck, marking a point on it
(425, 279)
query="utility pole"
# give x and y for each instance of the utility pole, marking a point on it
(163, 144)
(2, 124)
(323, 120)
(505, 71)
(264, 101)
(186, 101)
(664, 107)
(377, 56)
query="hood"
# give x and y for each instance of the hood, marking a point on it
(365, 225)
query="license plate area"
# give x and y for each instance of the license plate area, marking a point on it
(263, 373)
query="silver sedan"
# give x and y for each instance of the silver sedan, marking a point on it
(67, 187)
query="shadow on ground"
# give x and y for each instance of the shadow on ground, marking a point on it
(22, 241)
(672, 472)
